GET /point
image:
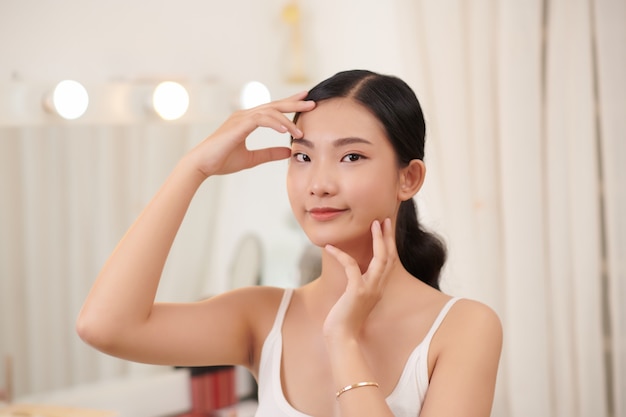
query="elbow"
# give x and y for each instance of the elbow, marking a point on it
(84, 329)
(94, 330)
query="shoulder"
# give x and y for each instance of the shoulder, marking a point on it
(258, 294)
(257, 302)
(468, 310)
(259, 306)
(470, 317)
(463, 361)
(469, 324)
(255, 306)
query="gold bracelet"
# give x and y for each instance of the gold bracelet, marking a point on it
(357, 385)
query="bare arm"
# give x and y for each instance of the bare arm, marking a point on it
(119, 315)
(467, 352)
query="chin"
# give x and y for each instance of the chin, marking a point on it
(345, 243)
(343, 235)
(320, 241)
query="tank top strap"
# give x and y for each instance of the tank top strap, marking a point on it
(282, 309)
(442, 315)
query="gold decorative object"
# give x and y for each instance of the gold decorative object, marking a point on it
(292, 16)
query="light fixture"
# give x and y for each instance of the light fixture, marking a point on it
(69, 99)
(254, 94)
(170, 100)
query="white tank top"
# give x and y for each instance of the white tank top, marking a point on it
(405, 400)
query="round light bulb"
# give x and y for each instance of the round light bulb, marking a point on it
(170, 100)
(70, 99)
(254, 94)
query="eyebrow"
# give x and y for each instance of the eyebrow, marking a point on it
(336, 143)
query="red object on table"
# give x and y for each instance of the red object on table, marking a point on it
(212, 388)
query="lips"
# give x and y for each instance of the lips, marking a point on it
(325, 213)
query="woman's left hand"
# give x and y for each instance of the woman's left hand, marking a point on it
(363, 291)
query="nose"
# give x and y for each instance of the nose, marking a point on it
(323, 180)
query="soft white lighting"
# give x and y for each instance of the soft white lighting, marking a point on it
(69, 99)
(170, 100)
(254, 94)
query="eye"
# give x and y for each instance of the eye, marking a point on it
(301, 157)
(352, 157)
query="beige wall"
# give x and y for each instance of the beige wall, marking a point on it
(192, 39)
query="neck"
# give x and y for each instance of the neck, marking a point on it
(322, 293)
(332, 281)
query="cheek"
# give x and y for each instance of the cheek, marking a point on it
(293, 187)
(379, 195)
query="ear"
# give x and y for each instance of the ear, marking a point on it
(411, 179)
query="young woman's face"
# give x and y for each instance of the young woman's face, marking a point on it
(342, 174)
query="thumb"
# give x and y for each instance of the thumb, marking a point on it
(261, 156)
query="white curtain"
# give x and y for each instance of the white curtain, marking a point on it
(69, 192)
(610, 38)
(525, 107)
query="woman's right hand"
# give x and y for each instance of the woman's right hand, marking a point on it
(225, 151)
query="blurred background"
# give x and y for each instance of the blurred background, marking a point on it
(525, 105)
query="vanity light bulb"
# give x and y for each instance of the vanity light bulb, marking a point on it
(170, 100)
(70, 99)
(254, 94)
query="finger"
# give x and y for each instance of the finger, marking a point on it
(301, 107)
(280, 108)
(300, 95)
(390, 238)
(380, 259)
(274, 118)
(261, 156)
(270, 118)
(293, 104)
(390, 247)
(349, 264)
(378, 241)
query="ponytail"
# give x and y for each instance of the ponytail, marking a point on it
(421, 253)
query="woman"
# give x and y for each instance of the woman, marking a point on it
(372, 335)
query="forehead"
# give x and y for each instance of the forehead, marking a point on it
(340, 117)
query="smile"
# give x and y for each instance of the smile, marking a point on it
(325, 213)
